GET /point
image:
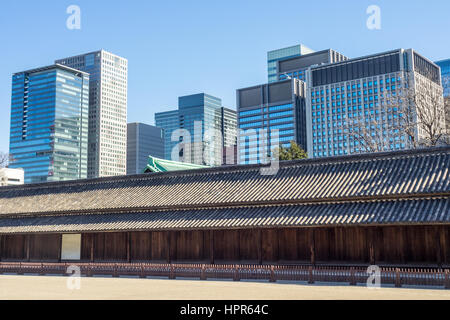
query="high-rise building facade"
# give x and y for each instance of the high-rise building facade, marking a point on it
(230, 133)
(169, 121)
(348, 99)
(274, 56)
(265, 108)
(445, 75)
(49, 123)
(107, 111)
(143, 141)
(296, 67)
(200, 128)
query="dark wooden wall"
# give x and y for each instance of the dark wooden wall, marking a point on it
(421, 245)
(14, 247)
(45, 247)
(33, 247)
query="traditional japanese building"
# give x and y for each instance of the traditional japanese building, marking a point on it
(162, 165)
(387, 208)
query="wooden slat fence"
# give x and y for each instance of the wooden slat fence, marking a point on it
(311, 274)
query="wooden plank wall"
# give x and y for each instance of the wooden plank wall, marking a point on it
(110, 246)
(423, 245)
(45, 247)
(14, 247)
(34, 247)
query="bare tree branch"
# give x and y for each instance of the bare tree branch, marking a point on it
(4, 159)
(412, 114)
(447, 120)
(429, 102)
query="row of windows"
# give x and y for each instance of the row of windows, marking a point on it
(280, 114)
(288, 119)
(255, 137)
(250, 119)
(265, 109)
(354, 115)
(266, 123)
(370, 98)
(347, 144)
(355, 86)
(393, 146)
(317, 133)
(351, 138)
(296, 74)
(280, 107)
(356, 94)
(252, 124)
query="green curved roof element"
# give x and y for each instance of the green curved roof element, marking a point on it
(161, 165)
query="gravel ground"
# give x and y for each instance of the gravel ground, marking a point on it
(55, 287)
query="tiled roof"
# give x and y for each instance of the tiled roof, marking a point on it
(375, 181)
(435, 211)
(161, 165)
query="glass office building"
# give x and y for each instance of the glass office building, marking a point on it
(49, 123)
(445, 74)
(143, 141)
(282, 54)
(168, 121)
(107, 153)
(229, 131)
(199, 128)
(347, 100)
(265, 108)
(296, 67)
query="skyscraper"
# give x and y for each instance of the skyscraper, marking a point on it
(265, 108)
(296, 67)
(445, 75)
(274, 56)
(230, 133)
(143, 141)
(201, 127)
(107, 150)
(169, 121)
(49, 123)
(354, 106)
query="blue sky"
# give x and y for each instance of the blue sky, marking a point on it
(184, 47)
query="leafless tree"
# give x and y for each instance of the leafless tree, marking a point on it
(447, 119)
(413, 111)
(4, 159)
(373, 135)
(430, 111)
